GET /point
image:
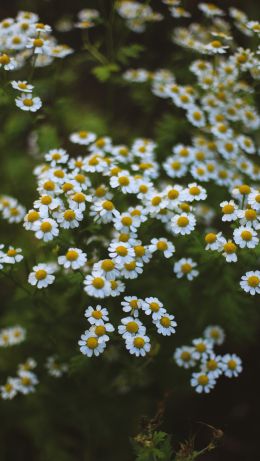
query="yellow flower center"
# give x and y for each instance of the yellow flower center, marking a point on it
(186, 268)
(201, 347)
(40, 274)
(228, 209)
(232, 364)
(107, 265)
(123, 181)
(210, 238)
(139, 250)
(46, 200)
(156, 201)
(246, 235)
(126, 221)
(203, 380)
(132, 327)
(72, 255)
(46, 226)
(22, 86)
(107, 205)
(161, 245)
(69, 215)
(244, 189)
(154, 306)
(230, 248)
(11, 252)
(38, 43)
(97, 315)
(32, 216)
(165, 322)
(194, 190)
(173, 194)
(100, 330)
(4, 59)
(133, 304)
(28, 102)
(182, 221)
(253, 281)
(121, 251)
(143, 189)
(92, 342)
(100, 191)
(250, 215)
(79, 197)
(98, 283)
(49, 185)
(212, 365)
(139, 342)
(130, 266)
(185, 356)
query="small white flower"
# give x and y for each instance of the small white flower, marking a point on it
(231, 365)
(185, 267)
(83, 138)
(90, 344)
(42, 276)
(165, 324)
(95, 314)
(9, 390)
(96, 285)
(229, 210)
(26, 382)
(138, 345)
(74, 259)
(28, 103)
(202, 348)
(194, 192)
(250, 282)
(212, 365)
(215, 334)
(131, 326)
(202, 382)
(245, 237)
(183, 224)
(12, 256)
(100, 329)
(132, 304)
(153, 306)
(184, 357)
(163, 245)
(46, 229)
(22, 86)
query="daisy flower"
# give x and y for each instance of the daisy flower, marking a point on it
(83, 138)
(23, 86)
(13, 255)
(254, 200)
(95, 314)
(96, 285)
(100, 329)
(46, 229)
(121, 252)
(250, 282)
(245, 237)
(183, 224)
(153, 306)
(215, 334)
(26, 381)
(41, 276)
(214, 241)
(229, 251)
(184, 357)
(138, 345)
(202, 382)
(185, 267)
(194, 192)
(124, 181)
(202, 348)
(163, 245)
(69, 219)
(132, 269)
(74, 259)
(132, 304)
(231, 365)
(28, 103)
(131, 326)
(165, 324)
(9, 390)
(212, 365)
(229, 210)
(108, 267)
(90, 344)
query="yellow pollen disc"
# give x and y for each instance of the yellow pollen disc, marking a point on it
(203, 380)
(40, 274)
(80, 178)
(114, 284)
(126, 221)
(26, 381)
(220, 118)
(246, 235)
(72, 255)
(156, 201)
(11, 252)
(22, 86)
(40, 25)
(232, 364)
(123, 151)
(130, 266)
(143, 189)
(136, 212)
(121, 251)
(222, 174)
(186, 268)
(253, 281)
(124, 237)
(46, 226)
(210, 238)
(173, 194)
(212, 365)
(194, 190)
(100, 191)
(100, 142)
(214, 333)
(139, 250)
(123, 181)
(182, 221)
(185, 207)
(38, 42)
(154, 306)
(46, 200)
(114, 171)
(69, 215)
(244, 189)
(165, 322)
(97, 315)
(228, 209)
(98, 283)
(197, 115)
(107, 265)
(28, 102)
(33, 216)
(250, 215)
(230, 247)
(133, 304)
(229, 147)
(107, 205)
(92, 342)
(49, 185)
(4, 59)
(132, 327)
(67, 186)
(8, 387)
(93, 161)
(139, 342)
(161, 245)
(185, 356)
(79, 197)
(78, 163)
(184, 98)
(175, 165)
(100, 330)
(257, 198)
(200, 347)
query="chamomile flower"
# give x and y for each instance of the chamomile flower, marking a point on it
(254, 200)
(117, 287)
(152, 306)
(108, 267)
(22, 86)
(212, 365)
(196, 116)
(229, 250)
(132, 304)
(74, 259)
(202, 348)
(214, 241)
(202, 382)
(83, 138)
(194, 192)
(96, 285)
(131, 269)
(245, 237)
(94, 314)
(42, 275)
(55, 368)
(91, 345)
(100, 329)
(165, 324)
(70, 219)
(28, 103)
(229, 210)
(215, 334)
(185, 267)
(163, 245)
(121, 252)
(184, 357)
(9, 390)
(26, 382)
(138, 345)
(124, 182)
(46, 229)
(56, 156)
(13, 255)
(231, 365)
(249, 217)
(183, 224)
(131, 326)
(250, 282)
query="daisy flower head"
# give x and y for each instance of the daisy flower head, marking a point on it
(184, 357)
(22, 86)
(124, 182)
(100, 329)
(165, 324)
(131, 269)
(55, 368)
(214, 241)
(215, 47)
(196, 116)
(185, 267)
(194, 192)
(249, 217)
(95, 314)
(152, 306)
(74, 259)
(31, 220)
(26, 381)
(121, 252)
(131, 326)
(7, 63)
(254, 200)
(132, 304)
(117, 287)
(138, 345)
(163, 245)
(9, 390)
(83, 138)
(231, 365)
(212, 365)
(69, 218)
(13, 255)
(42, 275)
(103, 211)
(28, 103)
(229, 210)
(108, 267)
(202, 348)
(97, 285)
(183, 224)
(215, 334)
(91, 344)
(250, 282)
(202, 382)
(245, 237)
(46, 229)
(229, 249)
(56, 156)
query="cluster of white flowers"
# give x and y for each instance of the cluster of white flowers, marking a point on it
(137, 14)
(24, 39)
(12, 336)
(23, 383)
(211, 366)
(11, 210)
(132, 330)
(55, 368)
